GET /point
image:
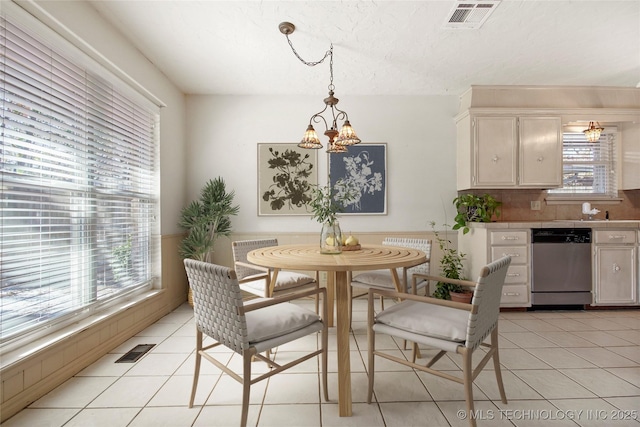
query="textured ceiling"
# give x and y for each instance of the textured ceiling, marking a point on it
(381, 47)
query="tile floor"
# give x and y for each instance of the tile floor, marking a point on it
(560, 368)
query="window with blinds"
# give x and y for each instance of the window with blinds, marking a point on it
(588, 168)
(77, 185)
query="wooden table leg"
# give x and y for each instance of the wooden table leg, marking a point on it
(331, 290)
(342, 335)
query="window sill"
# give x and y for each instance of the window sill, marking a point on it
(578, 200)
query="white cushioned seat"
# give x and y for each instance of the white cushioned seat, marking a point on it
(428, 320)
(381, 279)
(273, 321)
(285, 280)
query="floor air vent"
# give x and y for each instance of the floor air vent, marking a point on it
(470, 14)
(135, 353)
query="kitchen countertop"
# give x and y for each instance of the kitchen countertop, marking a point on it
(633, 224)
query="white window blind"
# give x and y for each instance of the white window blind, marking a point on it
(588, 168)
(77, 185)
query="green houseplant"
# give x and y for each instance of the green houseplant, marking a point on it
(451, 266)
(473, 208)
(324, 209)
(206, 219)
(324, 205)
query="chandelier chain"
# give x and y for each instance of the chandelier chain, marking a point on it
(331, 86)
(328, 53)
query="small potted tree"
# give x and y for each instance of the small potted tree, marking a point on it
(451, 267)
(472, 208)
(205, 220)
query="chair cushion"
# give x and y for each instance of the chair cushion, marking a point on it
(380, 279)
(377, 278)
(427, 319)
(286, 280)
(291, 279)
(277, 320)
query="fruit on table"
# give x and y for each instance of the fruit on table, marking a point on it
(351, 241)
(330, 241)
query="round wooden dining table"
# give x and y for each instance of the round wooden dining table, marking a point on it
(309, 258)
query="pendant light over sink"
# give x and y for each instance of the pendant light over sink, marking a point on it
(338, 141)
(594, 131)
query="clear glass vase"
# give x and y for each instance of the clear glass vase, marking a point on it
(331, 238)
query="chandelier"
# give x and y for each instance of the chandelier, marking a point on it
(338, 141)
(593, 133)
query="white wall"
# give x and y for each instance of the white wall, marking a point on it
(223, 133)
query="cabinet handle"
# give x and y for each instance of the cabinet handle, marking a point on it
(495, 159)
(509, 237)
(617, 236)
(616, 268)
(511, 294)
(511, 255)
(513, 274)
(540, 159)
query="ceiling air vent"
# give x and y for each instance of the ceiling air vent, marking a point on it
(470, 14)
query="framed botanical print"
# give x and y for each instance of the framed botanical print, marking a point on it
(286, 176)
(361, 172)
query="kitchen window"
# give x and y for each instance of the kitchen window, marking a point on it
(588, 169)
(78, 184)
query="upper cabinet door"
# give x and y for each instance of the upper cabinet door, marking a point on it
(540, 152)
(495, 152)
(630, 157)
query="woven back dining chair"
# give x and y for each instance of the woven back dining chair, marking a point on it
(446, 326)
(261, 281)
(383, 279)
(248, 328)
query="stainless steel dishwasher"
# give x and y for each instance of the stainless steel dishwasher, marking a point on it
(561, 266)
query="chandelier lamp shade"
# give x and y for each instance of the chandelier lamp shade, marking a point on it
(338, 140)
(594, 131)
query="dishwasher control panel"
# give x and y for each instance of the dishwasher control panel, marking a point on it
(561, 235)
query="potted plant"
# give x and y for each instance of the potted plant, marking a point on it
(451, 267)
(473, 208)
(206, 219)
(324, 209)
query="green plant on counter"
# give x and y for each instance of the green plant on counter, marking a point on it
(473, 208)
(451, 266)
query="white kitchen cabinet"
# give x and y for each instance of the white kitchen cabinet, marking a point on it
(629, 177)
(495, 152)
(509, 152)
(615, 267)
(482, 246)
(540, 152)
